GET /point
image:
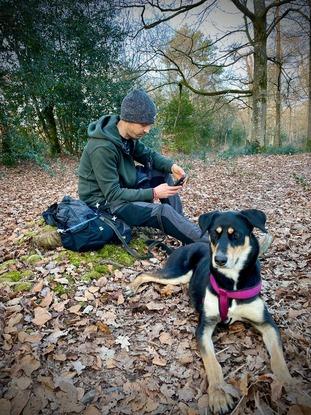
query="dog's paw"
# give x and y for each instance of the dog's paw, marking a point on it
(220, 401)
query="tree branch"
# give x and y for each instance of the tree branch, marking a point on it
(277, 4)
(243, 9)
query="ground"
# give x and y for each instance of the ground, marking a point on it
(72, 343)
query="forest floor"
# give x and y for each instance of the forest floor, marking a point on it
(73, 343)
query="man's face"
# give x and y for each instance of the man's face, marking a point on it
(136, 131)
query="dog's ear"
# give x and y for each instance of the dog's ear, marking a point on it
(206, 219)
(256, 218)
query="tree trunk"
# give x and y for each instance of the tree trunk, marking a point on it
(308, 140)
(250, 69)
(277, 133)
(51, 130)
(259, 116)
(6, 151)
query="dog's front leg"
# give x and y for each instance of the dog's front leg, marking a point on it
(220, 402)
(272, 339)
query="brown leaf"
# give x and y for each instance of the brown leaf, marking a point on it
(59, 307)
(47, 300)
(103, 327)
(15, 319)
(167, 291)
(68, 403)
(19, 402)
(38, 287)
(74, 309)
(166, 338)
(5, 406)
(159, 361)
(120, 299)
(299, 410)
(60, 357)
(31, 338)
(22, 383)
(41, 316)
(29, 364)
(154, 306)
(91, 410)
(243, 384)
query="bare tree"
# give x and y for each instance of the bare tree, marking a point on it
(257, 31)
(277, 133)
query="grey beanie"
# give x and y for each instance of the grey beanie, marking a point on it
(138, 107)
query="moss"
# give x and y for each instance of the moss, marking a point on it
(103, 269)
(23, 258)
(60, 289)
(7, 264)
(111, 252)
(139, 244)
(91, 275)
(11, 276)
(74, 258)
(27, 273)
(34, 258)
(22, 286)
(116, 253)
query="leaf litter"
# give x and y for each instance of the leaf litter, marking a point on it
(73, 345)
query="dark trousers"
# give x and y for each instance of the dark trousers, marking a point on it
(166, 216)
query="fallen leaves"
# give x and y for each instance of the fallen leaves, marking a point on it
(77, 346)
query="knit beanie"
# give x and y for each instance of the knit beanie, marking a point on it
(138, 107)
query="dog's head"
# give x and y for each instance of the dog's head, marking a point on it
(233, 244)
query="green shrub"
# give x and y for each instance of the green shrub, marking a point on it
(239, 151)
(282, 150)
(24, 146)
(153, 139)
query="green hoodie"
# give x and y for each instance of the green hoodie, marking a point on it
(107, 169)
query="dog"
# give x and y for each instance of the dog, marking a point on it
(224, 286)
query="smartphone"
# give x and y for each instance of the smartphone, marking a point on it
(181, 181)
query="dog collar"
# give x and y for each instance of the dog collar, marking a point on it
(224, 295)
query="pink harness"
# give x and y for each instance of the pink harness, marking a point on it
(224, 295)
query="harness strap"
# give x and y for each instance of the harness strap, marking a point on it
(224, 295)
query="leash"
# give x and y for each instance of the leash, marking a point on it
(224, 295)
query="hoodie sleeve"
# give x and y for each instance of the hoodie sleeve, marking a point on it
(104, 162)
(142, 154)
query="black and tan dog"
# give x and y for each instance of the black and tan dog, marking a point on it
(224, 284)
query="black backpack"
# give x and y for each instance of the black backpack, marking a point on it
(84, 229)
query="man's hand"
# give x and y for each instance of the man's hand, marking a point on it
(177, 171)
(163, 191)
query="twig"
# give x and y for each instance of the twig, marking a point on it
(236, 370)
(221, 351)
(110, 262)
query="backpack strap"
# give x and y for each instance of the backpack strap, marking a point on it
(130, 250)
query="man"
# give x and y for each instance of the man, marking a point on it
(108, 175)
